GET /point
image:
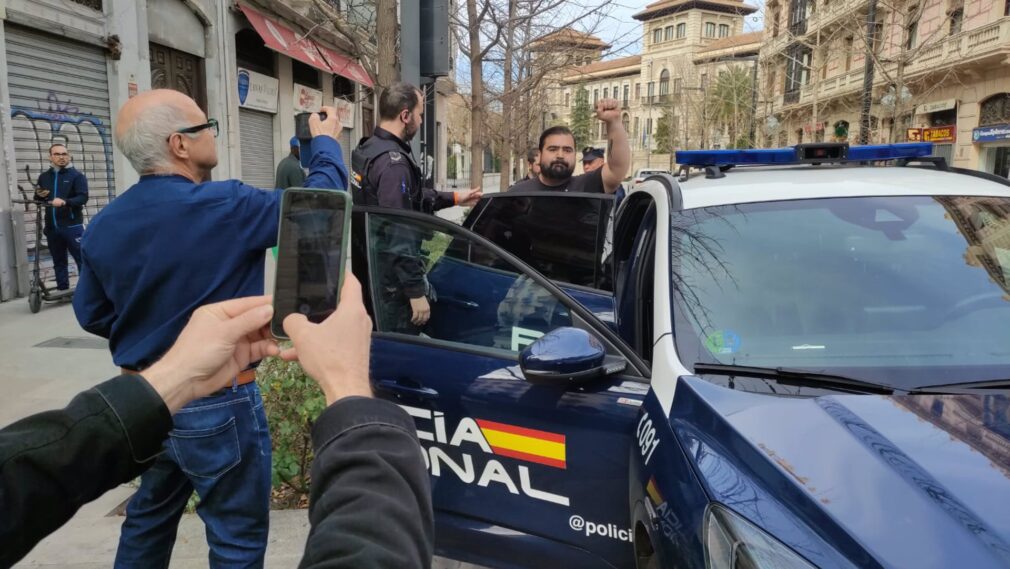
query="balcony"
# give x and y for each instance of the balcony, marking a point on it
(775, 45)
(836, 10)
(661, 99)
(989, 44)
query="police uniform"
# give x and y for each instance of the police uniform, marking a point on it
(385, 174)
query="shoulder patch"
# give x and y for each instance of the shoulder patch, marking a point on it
(395, 157)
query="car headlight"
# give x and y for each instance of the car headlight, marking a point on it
(731, 542)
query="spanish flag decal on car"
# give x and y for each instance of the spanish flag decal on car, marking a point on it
(521, 443)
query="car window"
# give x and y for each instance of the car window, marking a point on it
(476, 297)
(562, 237)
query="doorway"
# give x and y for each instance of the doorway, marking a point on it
(178, 70)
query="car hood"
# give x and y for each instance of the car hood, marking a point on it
(891, 481)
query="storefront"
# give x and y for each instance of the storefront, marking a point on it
(73, 109)
(940, 126)
(992, 137)
(257, 95)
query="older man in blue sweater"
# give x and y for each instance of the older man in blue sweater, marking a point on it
(173, 242)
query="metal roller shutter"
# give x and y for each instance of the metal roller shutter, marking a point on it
(347, 145)
(59, 93)
(256, 134)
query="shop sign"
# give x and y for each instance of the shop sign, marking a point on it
(936, 106)
(913, 134)
(995, 133)
(257, 91)
(940, 134)
(345, 110)
(307, 99)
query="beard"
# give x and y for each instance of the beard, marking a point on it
(409, 131)
(557, 170)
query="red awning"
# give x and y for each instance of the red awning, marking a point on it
(283, 39)
(345, 66)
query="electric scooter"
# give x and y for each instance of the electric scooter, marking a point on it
(38, 292)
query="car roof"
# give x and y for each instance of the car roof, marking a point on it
(764, 184)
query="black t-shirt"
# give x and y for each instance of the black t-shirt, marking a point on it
(591, 183)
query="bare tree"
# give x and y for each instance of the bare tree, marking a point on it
(371, 33)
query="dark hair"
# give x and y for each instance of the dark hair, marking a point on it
(396, 98)
(531, 154)
(55, 144)
(560, 129)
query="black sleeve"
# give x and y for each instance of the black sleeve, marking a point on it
(38, 184)
(441, 200)
(54, 462)
(80, 196)
(370, 505)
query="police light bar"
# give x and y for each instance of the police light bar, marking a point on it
(804, 154)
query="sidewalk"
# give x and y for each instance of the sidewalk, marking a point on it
(38, 378)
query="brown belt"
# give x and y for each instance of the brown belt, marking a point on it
(244, 377)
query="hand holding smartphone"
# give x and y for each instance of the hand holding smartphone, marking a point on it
(312, 242)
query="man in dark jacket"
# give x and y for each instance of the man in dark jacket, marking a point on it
(66, 191)
(368, 468)
(385, 174)
(290, 173)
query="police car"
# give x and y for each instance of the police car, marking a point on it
(785, 358)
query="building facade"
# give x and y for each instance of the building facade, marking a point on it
(941, 73)
(669, 81)
(66, 66)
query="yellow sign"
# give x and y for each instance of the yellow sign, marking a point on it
(939, 134)
(913, 135)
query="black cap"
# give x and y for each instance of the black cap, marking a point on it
(589, 153)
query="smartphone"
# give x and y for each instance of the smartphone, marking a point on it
(312, 245)
(304, 136)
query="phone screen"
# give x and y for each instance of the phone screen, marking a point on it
(310, 255)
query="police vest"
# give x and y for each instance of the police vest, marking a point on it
(362, 190)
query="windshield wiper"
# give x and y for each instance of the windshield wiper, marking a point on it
(985, 385)
(796, 377)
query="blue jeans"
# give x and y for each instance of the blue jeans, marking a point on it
(219, 446)
(61, 241)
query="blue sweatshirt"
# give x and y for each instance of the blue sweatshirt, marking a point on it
(168, 246)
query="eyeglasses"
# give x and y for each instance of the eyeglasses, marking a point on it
(211, 123)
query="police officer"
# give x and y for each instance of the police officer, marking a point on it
(385, 174)
(66, 191)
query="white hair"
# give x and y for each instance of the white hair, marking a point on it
(145, 142)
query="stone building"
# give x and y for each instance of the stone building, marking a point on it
(941, 74)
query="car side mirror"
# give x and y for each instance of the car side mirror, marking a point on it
(566, 356)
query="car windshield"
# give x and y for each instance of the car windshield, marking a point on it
(905, 291)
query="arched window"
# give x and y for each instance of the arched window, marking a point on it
(723, 30)
(681, 30)
(995, 110)
(664, 83)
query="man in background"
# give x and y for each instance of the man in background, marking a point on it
(65, 190)
(290, 173)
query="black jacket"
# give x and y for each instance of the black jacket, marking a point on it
(69, 185)
(371, 498)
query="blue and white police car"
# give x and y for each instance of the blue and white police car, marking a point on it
(786, 358)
